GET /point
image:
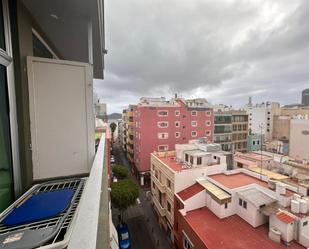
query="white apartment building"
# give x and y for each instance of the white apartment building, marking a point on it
(261, 118)
(173, 171)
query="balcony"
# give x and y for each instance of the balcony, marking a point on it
(160, 186)
(92, 227)
(158, 206)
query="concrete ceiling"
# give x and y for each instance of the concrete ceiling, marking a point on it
(65, 24)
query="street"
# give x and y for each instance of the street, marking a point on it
(144, 229)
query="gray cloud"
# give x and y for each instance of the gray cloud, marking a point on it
(222, 50)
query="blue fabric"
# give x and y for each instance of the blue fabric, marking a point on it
(39, 207)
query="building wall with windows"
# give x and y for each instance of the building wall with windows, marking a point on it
(254, 142)
(159, 125)
(261, 118)
(239, 131)
(223, 130)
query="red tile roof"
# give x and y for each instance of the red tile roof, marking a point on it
(190, 191)
(240, 179)
(230, 233)
(284, 217)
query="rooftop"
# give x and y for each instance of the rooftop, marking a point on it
(284, 217)
(171, 162)
(240, 180)
(225, 233)
(190, 191)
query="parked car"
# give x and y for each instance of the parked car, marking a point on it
(112, 159)
(123, 236)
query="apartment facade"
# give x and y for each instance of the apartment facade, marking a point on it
(239, 131)
(130, 133)
(216, 209)
(160, 124)
(261, 118)
(223, 130)
(173, 171)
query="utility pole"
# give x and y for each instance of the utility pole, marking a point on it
(261, 163)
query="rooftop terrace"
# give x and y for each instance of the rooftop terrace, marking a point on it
(230, 233)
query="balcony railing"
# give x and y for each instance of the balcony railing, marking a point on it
(158, 206)
(92, 227)
(160, 186)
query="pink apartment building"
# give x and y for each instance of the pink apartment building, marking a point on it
(160, 124)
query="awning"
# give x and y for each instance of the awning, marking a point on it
(218, 194)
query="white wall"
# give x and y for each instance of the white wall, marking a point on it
(299, 141)
(304, 232)
(196, 201)
(287, 230)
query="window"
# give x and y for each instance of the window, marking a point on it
(208, 113)
(253, 142)
(193, 133)
(208, 133)
(305, 223)
(168, 183)
(194, 113)
(193, 123)
(162, 113)
(245, 205)
(163, 135)
(177, 134)
(177, 113)
(169, 208)
(177, 124)
(187, 244)
(162, 147)
(191, 159)
(225, 205)
(240, 202)
(162, 124)
(267, 130)
(187, 157)
(208, 123)
(40, 48)
(199, 161)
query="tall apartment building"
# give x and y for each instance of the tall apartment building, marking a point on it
(223, 130)
(160, 124)
(305, 97)
(130, 134)
(239, 131)
(261, 118)
(173, 171)
(100, 111)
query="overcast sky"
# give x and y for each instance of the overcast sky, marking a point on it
(223, 50)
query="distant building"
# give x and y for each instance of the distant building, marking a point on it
(239, 131)
(261, 118)
(305, 97)
(254, 142)
(281, 127)
(173, 171)
(100, 111)
(160, 124)
(294, 110)
(223, 130)
(299, 139)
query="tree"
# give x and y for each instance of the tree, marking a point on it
(113, 127)
(124, 194)
(120, 171)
